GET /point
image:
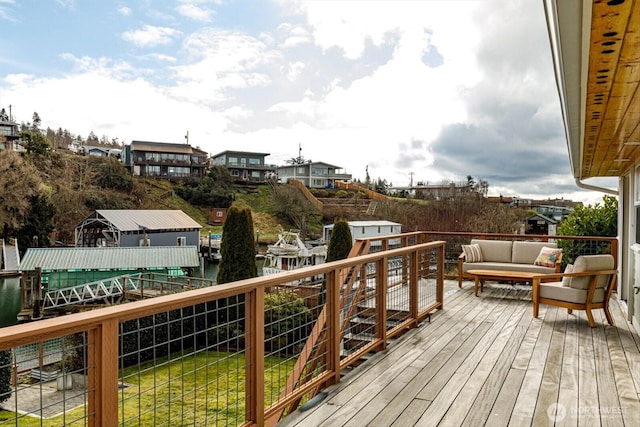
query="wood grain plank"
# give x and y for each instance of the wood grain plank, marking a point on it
(524, 408)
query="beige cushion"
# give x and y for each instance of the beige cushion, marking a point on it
(567, 280)
(591, 263)
(527, 252)
(472, 253)
(503, 266)
(494, 250)
(555, 290)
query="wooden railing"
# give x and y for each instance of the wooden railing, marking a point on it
(410, 277)
(309, 196)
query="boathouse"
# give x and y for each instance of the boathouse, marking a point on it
(133, 228)
(66, 267)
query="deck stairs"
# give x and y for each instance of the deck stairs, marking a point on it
(371, 210)
(10, 256)
(361, 327)
(100, 290)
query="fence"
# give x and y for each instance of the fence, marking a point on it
(243, 353)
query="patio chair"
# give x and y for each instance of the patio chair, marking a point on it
(585, 285)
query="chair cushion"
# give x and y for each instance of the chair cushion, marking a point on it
(555, 291)
(527, 252)
(567, 280)
(548, 257)
(591, 263)
(472, 253)
(494, 250)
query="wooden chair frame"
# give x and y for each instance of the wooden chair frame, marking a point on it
(570, 306)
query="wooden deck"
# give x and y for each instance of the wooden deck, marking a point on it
(486, 361)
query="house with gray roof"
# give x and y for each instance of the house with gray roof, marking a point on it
(133, 228)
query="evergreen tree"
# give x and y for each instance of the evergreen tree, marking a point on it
(340, 242)
(37, 224)
(237, 247)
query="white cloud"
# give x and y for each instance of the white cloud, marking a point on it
(194, 12)
(125, 11)
(151, 35)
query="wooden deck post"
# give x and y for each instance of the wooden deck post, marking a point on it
(102, 378)
(254, 318)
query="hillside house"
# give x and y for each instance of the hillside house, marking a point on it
(165, 160)
(313, 174)
(133, 228)
(366, 229)
(245, 165)
(9, 135)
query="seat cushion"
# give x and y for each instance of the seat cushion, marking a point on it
(494, 250)
(502, 266)
(591, 263)
(555, 291)
(527, 252)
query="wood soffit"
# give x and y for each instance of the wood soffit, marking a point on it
(611, 143)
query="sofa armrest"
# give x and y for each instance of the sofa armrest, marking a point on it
(460, 261)
(559, 264)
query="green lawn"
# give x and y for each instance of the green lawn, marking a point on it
(204, 387)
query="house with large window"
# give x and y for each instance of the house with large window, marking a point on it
(245, 165)
(165, 160)
(313, 174)
(9, 134)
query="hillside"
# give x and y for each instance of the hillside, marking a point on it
(57, 191)
(77, 185)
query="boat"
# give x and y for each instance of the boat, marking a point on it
(291, 253)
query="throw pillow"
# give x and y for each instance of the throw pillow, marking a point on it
(472, 253)
(566, 281)
(548, 257)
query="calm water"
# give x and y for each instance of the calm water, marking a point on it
(9, 300)
(10, 294)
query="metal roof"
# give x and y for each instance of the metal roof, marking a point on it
(136, 220)
(161, 147)
(109, 258)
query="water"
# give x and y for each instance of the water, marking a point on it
(9, 300)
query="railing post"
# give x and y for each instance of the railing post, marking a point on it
(333, 324)
(102, 378)
(254, 318)
(440, 278)
(382, 284)
(414, 268)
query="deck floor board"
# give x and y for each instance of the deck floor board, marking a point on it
(485, 361)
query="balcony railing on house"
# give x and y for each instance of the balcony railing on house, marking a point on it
(243, 353)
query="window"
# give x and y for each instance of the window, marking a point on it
(182, 241)
(153, 170)
(253, 161)
(255, 174)
(235, 172)
(219, 214)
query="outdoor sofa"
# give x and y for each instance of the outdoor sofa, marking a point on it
(507, 255)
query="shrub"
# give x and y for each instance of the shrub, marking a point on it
(342, 194)
(287, 321)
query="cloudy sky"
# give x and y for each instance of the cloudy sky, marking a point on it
(434, 90)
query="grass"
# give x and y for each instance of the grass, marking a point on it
(205, 387)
